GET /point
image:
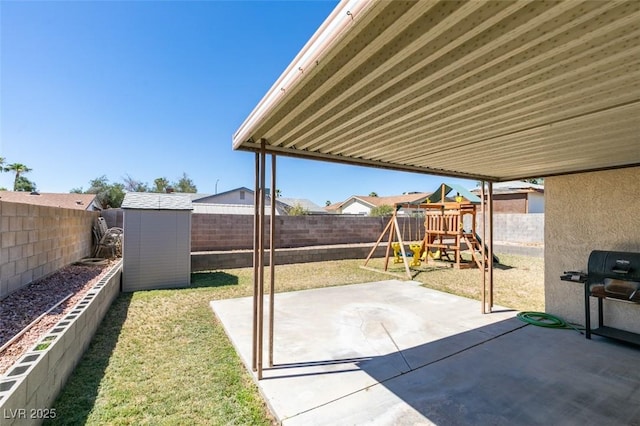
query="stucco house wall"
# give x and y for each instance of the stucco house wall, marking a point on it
(585, 212)
(235, 196)
(354, 206)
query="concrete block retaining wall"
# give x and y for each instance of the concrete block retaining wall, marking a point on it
(211, 232)
(210, 260)
(516, 227)
(36, 241)
(30, 387)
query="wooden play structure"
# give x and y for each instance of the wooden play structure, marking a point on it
(449, 229)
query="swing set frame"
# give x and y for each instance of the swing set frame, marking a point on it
(443, 231)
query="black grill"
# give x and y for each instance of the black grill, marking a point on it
(613, 275)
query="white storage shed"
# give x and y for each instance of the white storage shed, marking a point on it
(157, 241)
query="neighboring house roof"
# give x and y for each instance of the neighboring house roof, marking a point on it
(333, 208)
(303, 202)
(156, 201)
(281, 203)
(66, 201)
(213, 208)
(513, 187)
(208, 198)
(416, 197)
(198, 196)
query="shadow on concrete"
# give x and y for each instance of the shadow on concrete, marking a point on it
(77, 398)
(518, 375)
(212, 279)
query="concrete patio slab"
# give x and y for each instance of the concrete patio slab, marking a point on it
(393, 352)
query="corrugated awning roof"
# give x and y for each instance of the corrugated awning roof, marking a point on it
(494, 90)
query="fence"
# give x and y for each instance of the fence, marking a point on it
(36, 241)
(235, 232)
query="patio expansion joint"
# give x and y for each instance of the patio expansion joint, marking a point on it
(406, 372)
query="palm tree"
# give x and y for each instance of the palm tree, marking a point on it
(160, 184)
(18, 169)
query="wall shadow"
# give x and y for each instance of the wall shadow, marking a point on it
(527, 375)
(78, 396)
(212, 279)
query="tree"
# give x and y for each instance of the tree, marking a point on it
(109, 195)
(383, 210)
(18, 169)
(2, 188)
(24, 184)
(327, 203)
(298, 210)
(134, 185)
(373, 194)
(184, 184)
(538, 181)
(160, 184)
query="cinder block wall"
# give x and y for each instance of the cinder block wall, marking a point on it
(36, 241)
(211, 232)
(585, 212)
(516, 227)
(113, 217)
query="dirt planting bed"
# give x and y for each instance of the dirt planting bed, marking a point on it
(24, 306)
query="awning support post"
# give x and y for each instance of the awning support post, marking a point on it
(258, 260)
(272, 260)
(490, 243)
(256, 224)
(261, 214)
(483, 294)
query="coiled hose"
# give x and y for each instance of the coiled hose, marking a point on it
(542, 319)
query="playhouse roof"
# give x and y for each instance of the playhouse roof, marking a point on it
(437, 195)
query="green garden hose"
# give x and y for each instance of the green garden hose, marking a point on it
(542, 319)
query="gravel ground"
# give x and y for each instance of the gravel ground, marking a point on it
(22, 307)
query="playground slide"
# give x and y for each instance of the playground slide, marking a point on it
(486, 249)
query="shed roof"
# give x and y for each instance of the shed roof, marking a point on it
(156, 201)
(486, 90)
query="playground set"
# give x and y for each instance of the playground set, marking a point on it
(445, 236)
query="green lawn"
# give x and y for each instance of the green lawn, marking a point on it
(161, 357)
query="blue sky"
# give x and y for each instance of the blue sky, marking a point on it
(151, 89)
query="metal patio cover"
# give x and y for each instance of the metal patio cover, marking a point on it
(488, 90)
